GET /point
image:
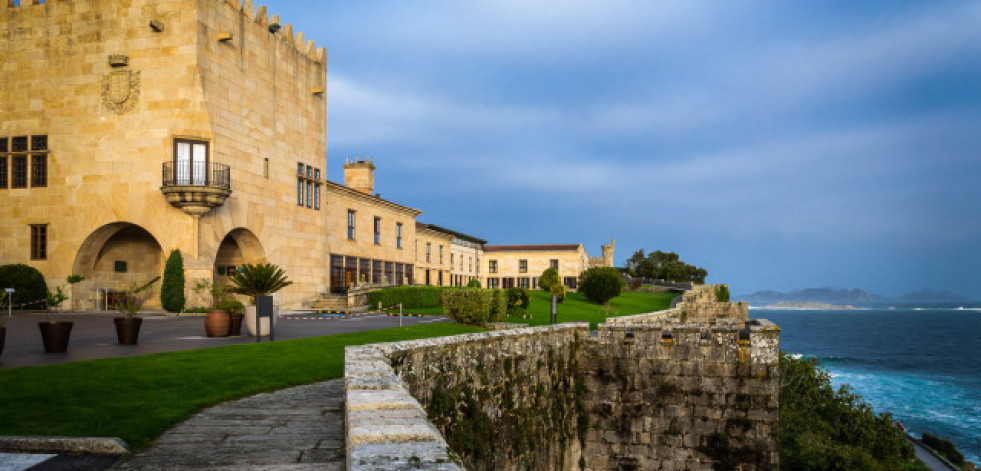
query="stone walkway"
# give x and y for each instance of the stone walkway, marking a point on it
(298, 428)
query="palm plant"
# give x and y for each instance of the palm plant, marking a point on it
(258, 280)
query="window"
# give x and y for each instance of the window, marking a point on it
(190, 162)
(299, 169)
(492, 266)
(3, 171)
(299, 192)
(523, 282)
(522, 266)
(441, 257)
(493, 283)
(18, 172)
(429, 248)
(309, 194)
(316, 174)
(309, 171)
(378, 230)
(316, 197)
(398, 235)
(39, 241)
(554, 263)
(469, 264)
(39, 170)
(119, 266)
(265, 168)
(451, 260)
(534, 282)
(350, 224)
(570, 282)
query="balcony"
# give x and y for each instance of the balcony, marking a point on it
(196, 187)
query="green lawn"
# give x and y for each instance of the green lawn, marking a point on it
(138, 398)
(578, 308)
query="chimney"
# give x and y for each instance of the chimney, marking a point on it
(360, 175)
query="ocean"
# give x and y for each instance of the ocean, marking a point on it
(921, 363)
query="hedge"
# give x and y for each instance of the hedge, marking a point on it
(172, 288)
(28, 283)
(469, 305)
(499, 306)
(410, 296)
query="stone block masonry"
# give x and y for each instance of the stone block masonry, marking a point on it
(646, 392)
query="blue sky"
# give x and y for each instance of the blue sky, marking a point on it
(780, 145)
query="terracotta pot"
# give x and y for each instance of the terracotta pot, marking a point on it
(3, 336)
(216, 323)
(55, 336)
(235, 326)
(128, 330)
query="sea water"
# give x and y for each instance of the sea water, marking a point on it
(921, 363)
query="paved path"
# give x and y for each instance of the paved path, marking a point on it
(300, 428)
(932, 462)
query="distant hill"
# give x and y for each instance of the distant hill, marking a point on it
(846, 296)
(813, 295)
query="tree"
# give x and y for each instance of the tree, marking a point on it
(601, 284)
(172, 288)
(549, 278)
(474, 283)
(660, 265)
(31, 291)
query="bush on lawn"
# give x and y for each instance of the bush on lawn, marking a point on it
(517, 300)
(499, 306)
(601, 284)
(549, 279)
(468, 305)
(474, 283)
(172, 287)
(28, 283)
(410, 296)
(559, 292)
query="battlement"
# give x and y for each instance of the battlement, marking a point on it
(259, 17)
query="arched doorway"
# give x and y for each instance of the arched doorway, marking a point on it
(239, 247)
(116, 256)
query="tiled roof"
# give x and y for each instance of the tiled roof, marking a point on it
(526, 248)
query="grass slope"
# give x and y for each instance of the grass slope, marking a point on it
(579, 308)
(138, 398)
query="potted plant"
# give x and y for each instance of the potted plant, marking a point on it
(236, 312)
(258, 280)
(72, 280)
(128, 326)
(216, 321)
(55, 334)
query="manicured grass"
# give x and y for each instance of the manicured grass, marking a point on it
(138, 398)
(579, 308)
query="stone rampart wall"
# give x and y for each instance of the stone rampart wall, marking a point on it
(647, 393)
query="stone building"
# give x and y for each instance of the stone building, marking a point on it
(520, 266)
(130, 128)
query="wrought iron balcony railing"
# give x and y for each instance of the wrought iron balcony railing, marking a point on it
(197, 174)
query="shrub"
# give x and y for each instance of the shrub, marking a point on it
(499, 306)
(601, 284)
(474, 283)
(172, 288)
(824, 429)
(635, 285)
(262, 279)
(517, 300)
(28, 283)
(722, 293)
(945, 447)
(409, 296)
(559, 292)
(549, 279)
(468, 305)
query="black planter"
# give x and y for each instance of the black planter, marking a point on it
(235, 325)
(128, 330)
(55, 336)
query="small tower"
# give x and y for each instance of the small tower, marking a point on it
(608, 253)
(360, 175)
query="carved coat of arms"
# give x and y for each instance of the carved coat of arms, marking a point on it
(120, 90)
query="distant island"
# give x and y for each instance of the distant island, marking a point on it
(806, 305)
(839, 297)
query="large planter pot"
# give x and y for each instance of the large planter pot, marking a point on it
(250, 321)
(216, 323)
(128, 330)
(55, 336)
(235, 325)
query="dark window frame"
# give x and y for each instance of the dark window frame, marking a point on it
(523, 265)
(190, 170)
(398, 235)
(39, 241)
(351, 224)
(492, 266)
(377, 230)
(39, 170)
(18, 171)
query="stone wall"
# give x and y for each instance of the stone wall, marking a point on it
(647, 393)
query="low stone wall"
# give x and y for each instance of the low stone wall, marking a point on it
(649, 392)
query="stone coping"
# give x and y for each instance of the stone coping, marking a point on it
(64, 445)
(386, 427)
